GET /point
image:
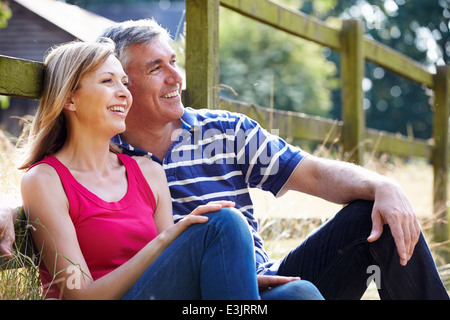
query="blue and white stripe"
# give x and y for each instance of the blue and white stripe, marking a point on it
(219, 155)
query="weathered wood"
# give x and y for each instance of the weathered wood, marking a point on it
(289, 124)
(20, 78)
(202, 53)
(302, 126)
(352, 73)
(440, 152)
(396, 62)
(291, 21)
(397, 144)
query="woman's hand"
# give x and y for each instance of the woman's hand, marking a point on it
(196, 216)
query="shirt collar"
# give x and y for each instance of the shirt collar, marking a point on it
(133, 151)
(189, 122)
(189, 119)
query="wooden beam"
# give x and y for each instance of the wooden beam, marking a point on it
(202, 53)
(440, 153)
(394, 61)
(283, 18)
(21, 78)
(352, 73)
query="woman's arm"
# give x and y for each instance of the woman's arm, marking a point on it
(55, 235)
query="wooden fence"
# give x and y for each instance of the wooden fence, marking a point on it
(24, 79)
(202, 61)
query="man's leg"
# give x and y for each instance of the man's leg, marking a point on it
(337, 256)
(295, 290)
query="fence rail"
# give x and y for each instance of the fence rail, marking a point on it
(203, 87)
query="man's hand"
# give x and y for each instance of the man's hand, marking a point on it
(393, 208)
(7, 237)
(267, 282)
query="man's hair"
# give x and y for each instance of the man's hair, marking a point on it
(128, 33)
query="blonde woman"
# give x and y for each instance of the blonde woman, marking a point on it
(103, 220)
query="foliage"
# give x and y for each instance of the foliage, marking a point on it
(418, 29)
(264, 66)
(5, 14)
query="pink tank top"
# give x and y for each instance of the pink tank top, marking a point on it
(109, 233)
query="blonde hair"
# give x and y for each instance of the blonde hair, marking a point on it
(65, 65)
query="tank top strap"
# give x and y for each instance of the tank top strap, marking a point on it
(67, 180)
(133, 167)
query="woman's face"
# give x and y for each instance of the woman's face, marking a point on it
(102, 100)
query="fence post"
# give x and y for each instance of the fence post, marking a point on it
(352, 73)
(440, 152)
(202, 53)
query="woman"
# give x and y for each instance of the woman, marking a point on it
(103, 221)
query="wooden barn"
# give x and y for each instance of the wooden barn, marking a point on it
(36, 26)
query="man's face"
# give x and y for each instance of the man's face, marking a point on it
(155, 83)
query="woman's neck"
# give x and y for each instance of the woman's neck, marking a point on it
(84, 155)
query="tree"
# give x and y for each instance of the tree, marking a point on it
(263, 66)
(5, 14)
(418, 29)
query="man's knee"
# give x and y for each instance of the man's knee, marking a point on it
(359, 211)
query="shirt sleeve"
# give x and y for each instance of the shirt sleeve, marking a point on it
(267, 161)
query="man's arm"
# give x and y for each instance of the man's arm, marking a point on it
(342, 182)
(7, 218)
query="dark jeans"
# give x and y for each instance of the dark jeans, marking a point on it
(337, 256)
(213, 261)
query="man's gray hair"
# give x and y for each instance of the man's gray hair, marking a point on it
(128, 33)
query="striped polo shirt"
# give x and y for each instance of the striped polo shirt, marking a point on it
(219, 155)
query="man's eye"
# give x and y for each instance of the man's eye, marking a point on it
(154, 70)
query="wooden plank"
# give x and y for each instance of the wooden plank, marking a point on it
(382, 141)
(289, 124)
(302, 126)
(20, 78)
(440, 154)
(394, 61)
(288, 20)
(202, 53)
(352, 95)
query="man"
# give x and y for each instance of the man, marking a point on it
(210, 155)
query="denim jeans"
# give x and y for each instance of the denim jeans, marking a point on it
(212, 261)
(337, 256)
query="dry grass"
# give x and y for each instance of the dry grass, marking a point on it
(295, 215)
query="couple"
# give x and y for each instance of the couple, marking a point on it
(110, 215)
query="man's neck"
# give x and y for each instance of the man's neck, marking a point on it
(156, 141)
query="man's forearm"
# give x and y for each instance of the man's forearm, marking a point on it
(335, 181)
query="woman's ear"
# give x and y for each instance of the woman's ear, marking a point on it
(69, 105)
